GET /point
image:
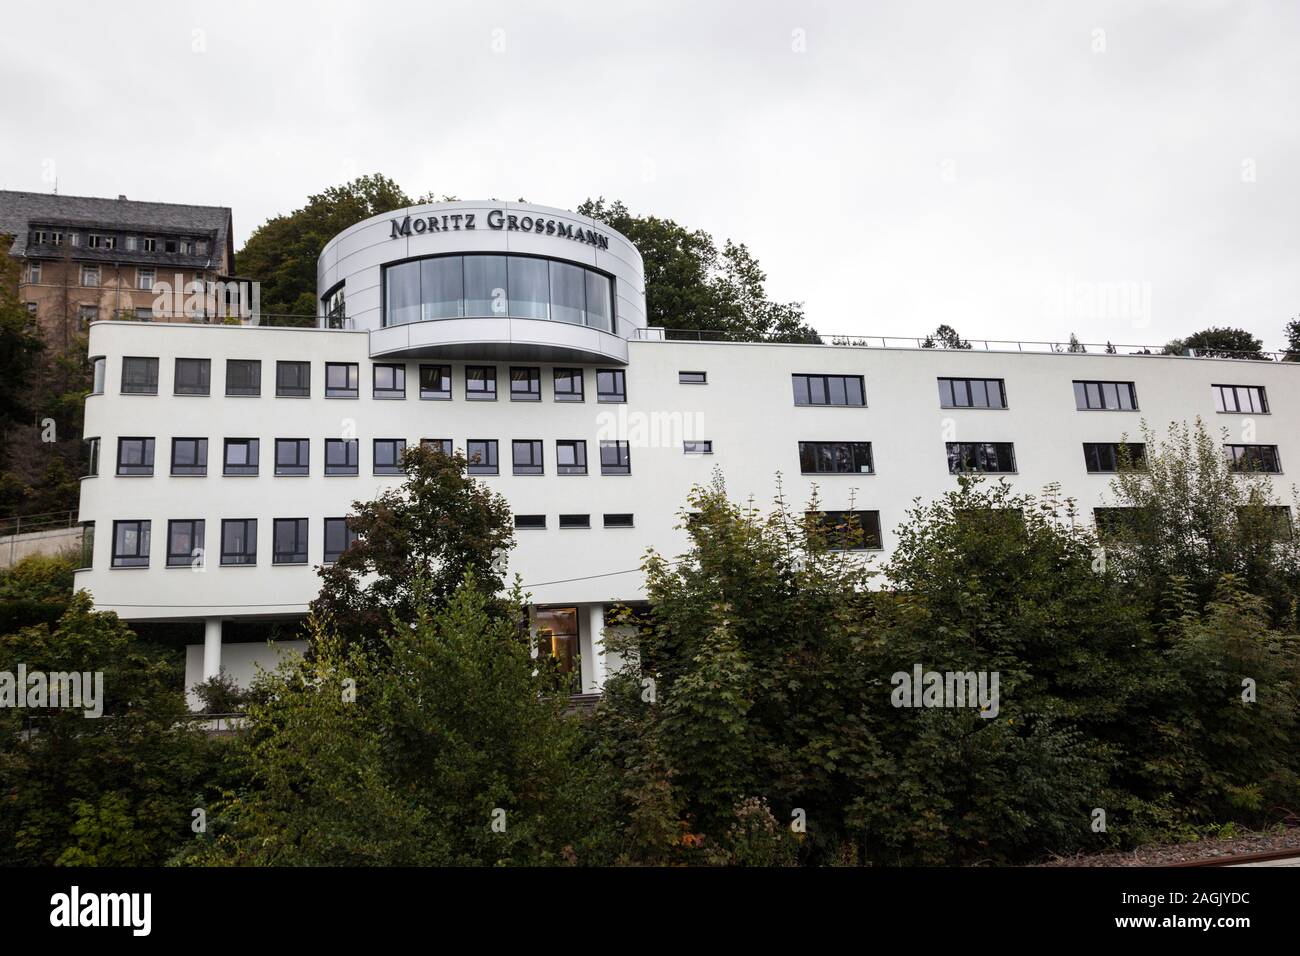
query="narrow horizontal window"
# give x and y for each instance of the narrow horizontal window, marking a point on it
(1105, 396)
(1256, 458)
(843, 390)
(618, 521)
(530, 521)
(848, 530)
(697, 447)
(1240, 399)
(981, 457)
(442, 445)
(972, 393)
(693, 378)
(1106, 457)
(835, 458)
(575, 521)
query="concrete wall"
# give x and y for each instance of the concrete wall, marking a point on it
(15, 547)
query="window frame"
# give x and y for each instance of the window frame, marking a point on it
(176, 559)
(623, 466)
(825, 379)
(867, 527)
(1112, 449)
(1101, 393)
(253, 453)
(579, 451)
(150, 385)
(301, 541)
(431, 395)
(241, 391)
(352, 458)
(399, 449)
(684, 378)
(144, 540)
(572, 375)
(490, 451)
(352, 371)
(349, 538)
(966, 382)
(389, 393)
(226, 556)
(536, 464)
(814, 449)
(197, 468)
(1235, 461)
(1221, 406)
(147, 451)
(292, 391)
(302, 455)
(204, 385)
(533, 381)
(619, 395)
(484, 394)
(980, 448)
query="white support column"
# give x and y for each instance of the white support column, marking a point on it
(211, 647)
(596, 640)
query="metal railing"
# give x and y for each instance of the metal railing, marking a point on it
(658, 334)
(29, 524)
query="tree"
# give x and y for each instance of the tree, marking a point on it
(436, 526)
(1218, 342)
(691, 286)
(945, 337)
(281, 253)
(1293, 341)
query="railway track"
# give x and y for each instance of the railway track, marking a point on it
(1236, 859)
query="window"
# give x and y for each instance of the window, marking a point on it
(1104, 457)
(697, 447)
(193, 376)
(100, 373)
(835, 457)
(568, 385)
(341, 456)
(149, 244)
(86, 314)
(849, 530)
(132, 243)
(618, 521)
(185, 543)
(481, 383)
(87, 558)
(530, 521)
(239, 541)
(144, 313)
(335, 308)
(139, 376)
(144, 279)
(293, 379)
(289, 541)
(169, 245)
(611, 385)
(829, 390)
(1115, 523)
(135, 456)
(130, 544)
(435, 382)
(240, 457)
(1275, 518)
(482, 456)
(338, 538)
(189, 456)
(388, 455)
(981, 456)
(90, 276)
(1241, 399)
(342, 379)
(31, 308)
(615, 458)
(33, 272)
(243, 377)
(1260, 458)
(692, 378)
(525, 385)
(575, 521)
(92, 458)
(390, 381)
(1107, 396)
(292, 456)
(972, 393)
(527, 457)
(557, 637)
(437, 444)
(571, 457)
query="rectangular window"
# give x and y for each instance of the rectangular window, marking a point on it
(829, 390)
(526, 455)
(1240, 399)
(568, 385)
(92, 457)
(99, 366)
(33, 272)
(989, 456)
(530, 521)
(618, 521)
(390, 382)
(693, 378)
(139, 376)
(437, 444)
(130, 544)
(697, 447)
(185, 543)
(341, 456)
(611, 385)
(338, 538)
(144, 279)
(1276, 517)
(525, 384)
(135, 456)
(481, 383)
(1259, 458)
(193, 376)
(293, 379)
(972, 393)
(615, 458)
(240, 457)
(189, 456)
(435, 382)
(571, 457)
(1105, 396)
(1105, 457)
(132, 243)
(90, 276)
(292, 456)
(86, 314)
(388, 455)
(243, 377)
(342, 380)
(149, 244)
(482, 456)
(849, 530)
(289, 541)
(835, 457)
(575, 521)
(239, 541)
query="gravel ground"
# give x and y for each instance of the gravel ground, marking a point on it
(1187, 852)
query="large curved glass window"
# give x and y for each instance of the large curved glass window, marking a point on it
(484, 286)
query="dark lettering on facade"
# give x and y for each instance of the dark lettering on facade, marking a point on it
(498, 219)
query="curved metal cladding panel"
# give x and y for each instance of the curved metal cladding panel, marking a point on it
(356, 259)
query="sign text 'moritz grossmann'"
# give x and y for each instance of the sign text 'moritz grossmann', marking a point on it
(497, 219)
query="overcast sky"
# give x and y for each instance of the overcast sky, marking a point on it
(1127, 171)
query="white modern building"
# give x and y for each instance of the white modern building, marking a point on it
(226, 457)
